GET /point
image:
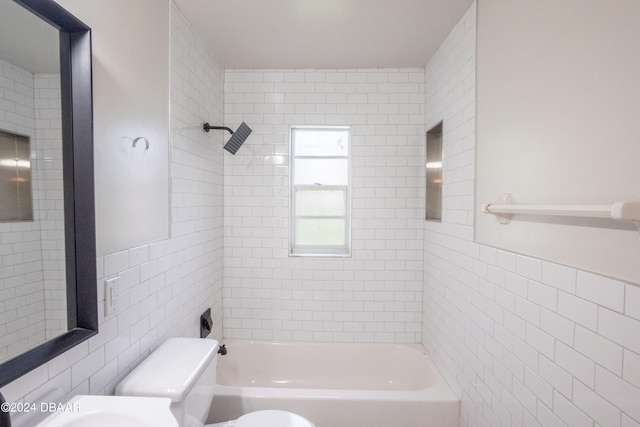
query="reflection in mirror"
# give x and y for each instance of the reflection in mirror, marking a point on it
(32, 266)
(47, 262)
(15, 178)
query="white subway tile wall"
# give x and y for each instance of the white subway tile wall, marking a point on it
(47, 176)
(31, 256)
(165, 285)
(523, 342)
(22, 305)
(376, 294)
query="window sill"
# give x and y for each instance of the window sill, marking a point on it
(318, 255)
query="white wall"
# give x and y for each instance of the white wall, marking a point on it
(376, 294)
(558, 100)
(164, 285)
(522, 341)
(131, 92)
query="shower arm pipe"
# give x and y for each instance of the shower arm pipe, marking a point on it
(207, 127)
(620, 211)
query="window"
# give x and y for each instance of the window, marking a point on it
(320, 198)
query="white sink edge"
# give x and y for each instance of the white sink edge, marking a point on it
(127, 411)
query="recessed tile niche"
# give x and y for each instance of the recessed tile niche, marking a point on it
(433, 196)
(15, 178)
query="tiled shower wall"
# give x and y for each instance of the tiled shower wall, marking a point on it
(376, 294)
(30, 251)
(523, 342)
(165, 285)
(50, 198)
(22, 306)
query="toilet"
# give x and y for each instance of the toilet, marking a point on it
(184, 370)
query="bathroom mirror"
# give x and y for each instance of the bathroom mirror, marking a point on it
(52, 105)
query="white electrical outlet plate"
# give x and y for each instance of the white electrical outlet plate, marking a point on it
(111, 296)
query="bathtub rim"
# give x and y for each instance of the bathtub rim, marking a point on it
(439, 391)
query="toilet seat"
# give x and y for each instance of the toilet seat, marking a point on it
(272, 418)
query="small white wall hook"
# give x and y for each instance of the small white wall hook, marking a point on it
(146, 141)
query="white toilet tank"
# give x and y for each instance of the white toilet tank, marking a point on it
(182, 369)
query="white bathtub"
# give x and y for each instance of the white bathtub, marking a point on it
(334, 384)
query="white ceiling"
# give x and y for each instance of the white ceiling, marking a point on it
(323, 33)
(277, 33)
(26, 40)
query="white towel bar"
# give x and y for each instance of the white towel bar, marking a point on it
(621, 211)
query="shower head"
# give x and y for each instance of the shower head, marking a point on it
(237, 138)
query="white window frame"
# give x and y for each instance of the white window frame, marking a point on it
(319, 250)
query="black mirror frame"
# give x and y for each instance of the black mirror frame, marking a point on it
(79, 205)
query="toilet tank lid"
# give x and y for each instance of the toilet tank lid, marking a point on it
(171, 370)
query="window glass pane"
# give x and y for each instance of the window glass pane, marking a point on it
(321, 142)
(320, 203)
(320, 232)
(321, 171)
